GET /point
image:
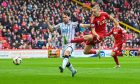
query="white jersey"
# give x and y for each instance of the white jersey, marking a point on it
(68, 31)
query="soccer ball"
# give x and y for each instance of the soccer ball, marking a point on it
(17, 60)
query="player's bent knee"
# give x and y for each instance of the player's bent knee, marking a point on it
(66, 56)
(67, 53)
(88, 37)
(68, 64)
(120, 54)
(113, 54)
(85, 52)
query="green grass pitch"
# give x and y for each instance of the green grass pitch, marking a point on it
(90, 71)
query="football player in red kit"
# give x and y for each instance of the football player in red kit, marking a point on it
(98, 32)
(119, 35)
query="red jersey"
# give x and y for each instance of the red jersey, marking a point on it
(100, 23)
(119, 35)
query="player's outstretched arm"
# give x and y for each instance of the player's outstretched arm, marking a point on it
(84, 25)
(49, 25)
(124, 36)
(114, 20)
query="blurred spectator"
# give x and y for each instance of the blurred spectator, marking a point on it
(22, 24)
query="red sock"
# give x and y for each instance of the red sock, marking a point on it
(77, 40)
(116, 60)
(92, 52)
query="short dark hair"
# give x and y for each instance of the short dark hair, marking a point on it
(67, 13)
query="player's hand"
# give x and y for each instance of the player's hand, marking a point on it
(97, 36)
(118, 26)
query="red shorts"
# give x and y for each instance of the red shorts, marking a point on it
(95, 40)
(117, 47)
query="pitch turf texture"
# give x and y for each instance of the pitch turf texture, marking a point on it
(90, 71)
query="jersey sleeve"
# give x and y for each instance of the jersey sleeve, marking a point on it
(57, 26)
(92, 25)
(75, 24)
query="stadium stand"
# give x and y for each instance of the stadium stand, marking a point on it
(22, 22)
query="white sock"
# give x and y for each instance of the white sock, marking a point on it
(71, 68)
(65, 61)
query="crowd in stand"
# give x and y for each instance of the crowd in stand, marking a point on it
(22, 22)
(127, 11)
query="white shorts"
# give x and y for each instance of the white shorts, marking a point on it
(68, 47)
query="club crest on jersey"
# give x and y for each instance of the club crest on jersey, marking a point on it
(115, 31)
(102, 22)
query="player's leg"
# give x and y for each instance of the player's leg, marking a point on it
(66, 62)
(69, 64)
(88, 50)
(119, 53)
(89, 44)
(115, 57)
(84, 38)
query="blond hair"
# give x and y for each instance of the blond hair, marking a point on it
(96, 7)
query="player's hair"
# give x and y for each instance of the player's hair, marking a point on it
(96, 7)
(67, 13)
